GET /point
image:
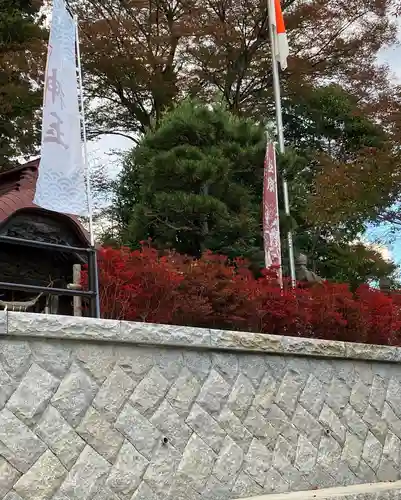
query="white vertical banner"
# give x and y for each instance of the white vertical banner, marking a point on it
(61, 183)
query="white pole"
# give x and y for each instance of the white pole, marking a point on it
(280, 134)
(87, 170)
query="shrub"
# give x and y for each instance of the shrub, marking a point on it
(213, 292)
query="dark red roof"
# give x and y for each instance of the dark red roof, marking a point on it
(17, 191)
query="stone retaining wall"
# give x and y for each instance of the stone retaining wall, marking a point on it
(107, 410)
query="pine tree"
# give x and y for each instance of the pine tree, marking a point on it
(192, 184)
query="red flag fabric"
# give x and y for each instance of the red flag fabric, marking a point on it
(271, 225)
(280, 41)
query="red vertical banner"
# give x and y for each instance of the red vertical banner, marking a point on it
(271, 224)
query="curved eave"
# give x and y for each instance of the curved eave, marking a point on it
(63, 218)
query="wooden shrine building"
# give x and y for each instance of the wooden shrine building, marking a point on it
(21, 218)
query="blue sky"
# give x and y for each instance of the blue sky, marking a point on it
(391, 56)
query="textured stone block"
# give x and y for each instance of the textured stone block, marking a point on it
(180, 490)
(393, 422)
(62, 327)
(138, 430)
(33, 394)
(329, 452)
(241, 396)
(98, 432)
(392, 448)
(226, 364)
(144, 493)
(330, 421)
(394, 396)
(215, 490)
(196, 464)
(74, 395)
(171, 425)
(354, 423)
(149, 392)
(7, 386)
(148, 333)
(8, 477)
(377, 425)
(98, 360)
(183, 392)
(198, 362)
(258, 461)
(265, 394)
(378, 393)
(105, 494)
(114, 393)
(376, 352)
(60, 437)
(52, 356)
(3, 322)
(284, 454)
(15, 357)
(359, 398)
(170, 362)
(42, 480)
(206, 427)
(352, 450)
(319, 478)
(372, 451)
(233, 426)
(135, 361)
(282, 425)
(245, 341)
(313, 347)
(18, 444)
(162, 468)
(274, 482)
(289, 391)
(313, 396)
(306, 455)
(245, 485)
(338, 395)
(213, 393)
(126, 474)
(229, 462)
(260, 428)
(253, 367)
(365, 473)
(387, 470)
(308, 425)
(86, 477)
(11, 495)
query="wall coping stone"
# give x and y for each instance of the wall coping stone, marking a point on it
(335, 492)
(20, 324)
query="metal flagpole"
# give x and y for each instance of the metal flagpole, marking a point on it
(280, 134)
(87, 171)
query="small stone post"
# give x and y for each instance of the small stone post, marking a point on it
(76, 278)
(385, 285)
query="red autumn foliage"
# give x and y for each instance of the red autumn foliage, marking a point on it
(212, 292)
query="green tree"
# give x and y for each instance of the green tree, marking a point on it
(22, 50)
(352, 161)
(196, 183)
(343, 172)
(193, 183)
